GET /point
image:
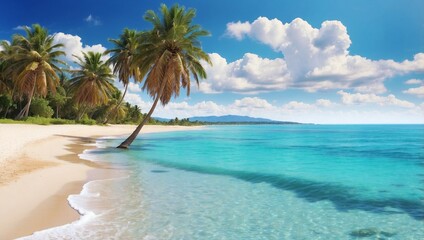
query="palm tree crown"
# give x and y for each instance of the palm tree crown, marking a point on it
(171, 52)
(35, 64)
(168, 56)
(122, 56)
(122, 60)
(92, 83)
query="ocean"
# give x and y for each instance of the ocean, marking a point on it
(257, 182)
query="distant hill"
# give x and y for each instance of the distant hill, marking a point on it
(235, 119)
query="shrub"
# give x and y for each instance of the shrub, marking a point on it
(40, 107)
(5, 103)
(38, 120)
(86, 120)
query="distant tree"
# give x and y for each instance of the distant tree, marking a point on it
(91, 85)
(122, 59)
(134, 114)
(58, 100)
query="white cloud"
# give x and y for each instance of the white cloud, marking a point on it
(314, 59)
(318, 104)
(134, 87)
(320, 111)
(292, 111)
(238, 30)
(252, 102)
(93, 20)
(295, 105)
(73, 46)
(135, 99)
(20, 27)
(360, 98)
(324, 103)
(418, 91)
(251, 74)
(414, 81)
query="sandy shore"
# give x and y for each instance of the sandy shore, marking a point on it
(40, 168)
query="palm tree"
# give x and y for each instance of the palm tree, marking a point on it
(123, 62)
(5, 76)
(91, 85)
(35, 64)
(167, 56)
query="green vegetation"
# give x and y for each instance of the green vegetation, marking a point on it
(37, 86)
(40, 108)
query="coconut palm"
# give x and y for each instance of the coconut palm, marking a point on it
(122, 60)
(91, 85)
(5, 55)
(168, 56)
(6, 75)
(35, 64)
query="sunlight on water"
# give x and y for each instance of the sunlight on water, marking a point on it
(261, 182)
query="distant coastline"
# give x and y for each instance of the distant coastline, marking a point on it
(227, 120)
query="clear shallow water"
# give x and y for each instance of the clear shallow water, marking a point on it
(259, 182)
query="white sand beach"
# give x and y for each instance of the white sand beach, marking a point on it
(40, 168)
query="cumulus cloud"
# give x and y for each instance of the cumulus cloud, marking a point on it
(324, 103)
(418, 91)
(134, 87)
(252, 102)
(318, 104)
(251, 74)
(93, 20)
(414, 81)
(360, 98)
(238, 29)
(135, 99)
(314, 59)
(295, 105)
(320, 111)
(73, 46)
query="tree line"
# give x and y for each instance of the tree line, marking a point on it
(35, 81)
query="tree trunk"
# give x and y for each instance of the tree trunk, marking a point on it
(24, 112)
(116, 107)
(79, 116)
(57, 111)
(125, 144)
(8, 107)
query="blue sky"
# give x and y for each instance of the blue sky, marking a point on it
(308, 61)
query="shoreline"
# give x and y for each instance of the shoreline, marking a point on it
(40, 168)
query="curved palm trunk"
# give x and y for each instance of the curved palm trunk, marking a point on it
(125, 144)
(24, 112)
(117, 105)
(8, 107)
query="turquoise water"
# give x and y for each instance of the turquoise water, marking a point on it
(260, 182)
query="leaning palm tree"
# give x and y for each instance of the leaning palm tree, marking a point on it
(168, 56)
(92, 84)
(35, 64)
(123, 63)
